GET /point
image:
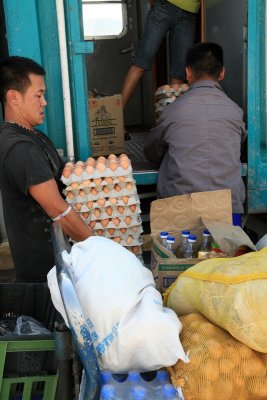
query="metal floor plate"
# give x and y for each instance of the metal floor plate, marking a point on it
(134, 148)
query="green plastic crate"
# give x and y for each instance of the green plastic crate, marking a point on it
(28, 367)
(26, 387)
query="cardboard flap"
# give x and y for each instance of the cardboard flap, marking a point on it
(180, 212)
(228, 237)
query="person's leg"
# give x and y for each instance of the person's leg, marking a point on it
(182, 37)
(131, 79)
(156, 27)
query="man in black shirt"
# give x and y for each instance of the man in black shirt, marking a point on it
(30, 170)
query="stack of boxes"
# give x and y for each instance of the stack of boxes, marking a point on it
(175, 214)
(104, 193)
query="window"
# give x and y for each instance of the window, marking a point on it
(104, 19)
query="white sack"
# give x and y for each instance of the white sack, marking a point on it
(128, 323)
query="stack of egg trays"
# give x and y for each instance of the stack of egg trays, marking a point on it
(108, 203)
(165, 95)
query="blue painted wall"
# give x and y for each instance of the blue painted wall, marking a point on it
(257, 150)
(32, 32)
(77, 49)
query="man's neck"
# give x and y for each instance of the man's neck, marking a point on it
(204, 78)
(11, 117)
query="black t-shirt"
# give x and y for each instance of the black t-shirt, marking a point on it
(27, 159)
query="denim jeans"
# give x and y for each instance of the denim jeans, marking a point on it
(162, 18)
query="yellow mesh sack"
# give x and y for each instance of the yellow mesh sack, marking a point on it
(230, 292)
(220, 367)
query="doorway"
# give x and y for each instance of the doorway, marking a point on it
(115, 29)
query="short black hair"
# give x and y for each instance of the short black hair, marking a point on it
(14, 74)
(205, 59)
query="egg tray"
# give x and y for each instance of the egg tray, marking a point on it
(104, 181)
(134, 246)
(164, 102)
(136, 250)
(97, 174)
(126, 232)
(72, 199)
(118, 185)
(162, 91)
(128, 238)
(125, 242)
(109, 202)
(168, 95)
(159, 110)
(110, 212)
(120, 223)
(97, 212)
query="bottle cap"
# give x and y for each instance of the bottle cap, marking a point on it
(170, 239)
(162, 375)
(133, 376)
(192, 238)
(105, 377)
(185, 233)
(163, 235)
(206, 232)
(119, 377)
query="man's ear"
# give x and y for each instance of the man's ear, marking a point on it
(12, 96)
(188, 74)
(221, 76)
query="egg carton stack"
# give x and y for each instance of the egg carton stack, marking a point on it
(104, 193)
(167, 94)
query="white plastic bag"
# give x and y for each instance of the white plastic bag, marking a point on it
(129, 326)
(26, 325)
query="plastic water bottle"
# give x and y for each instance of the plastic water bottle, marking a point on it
(170, 243)
(163, 238)
(134, 378)
(125, 383)
(105, 377)
(169, 392)
(191, 247)
(139, 393)
(108, 392)
(155, 386)
(206, 241)
(184, 243)
(162, 376)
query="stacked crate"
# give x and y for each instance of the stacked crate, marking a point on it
(104, 193)
(28, 362)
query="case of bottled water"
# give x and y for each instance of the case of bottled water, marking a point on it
(137, 386)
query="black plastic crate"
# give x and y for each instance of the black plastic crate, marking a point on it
(31, 299)
(28, 355)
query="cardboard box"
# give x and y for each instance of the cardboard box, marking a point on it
(106, 123)
(175, 214)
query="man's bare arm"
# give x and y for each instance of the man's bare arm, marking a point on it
(49, 198)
